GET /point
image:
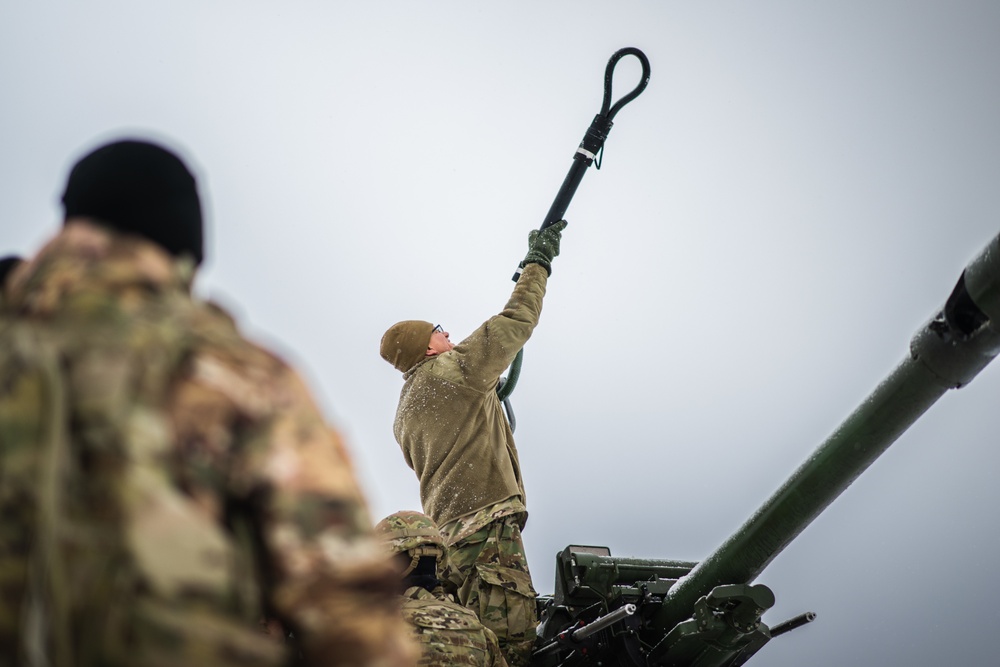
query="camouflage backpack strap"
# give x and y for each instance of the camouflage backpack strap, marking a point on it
(33, 416)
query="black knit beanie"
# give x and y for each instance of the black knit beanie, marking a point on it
(142, 188)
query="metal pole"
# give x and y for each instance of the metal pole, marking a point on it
(605, 621)
(593, 140)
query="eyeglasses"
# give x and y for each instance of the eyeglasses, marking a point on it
(437, 329)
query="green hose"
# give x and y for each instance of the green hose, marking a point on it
(507, 384)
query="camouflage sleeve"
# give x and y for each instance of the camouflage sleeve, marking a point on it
(496, 658)
(491, 348)
(327, 580)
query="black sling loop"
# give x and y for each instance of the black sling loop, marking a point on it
(589, 151)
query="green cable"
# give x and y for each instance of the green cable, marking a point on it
(507, 384)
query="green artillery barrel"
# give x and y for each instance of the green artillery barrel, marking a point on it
(947, 353)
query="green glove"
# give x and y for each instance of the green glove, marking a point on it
(543, 245)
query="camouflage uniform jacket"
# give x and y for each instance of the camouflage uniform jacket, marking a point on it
(448, 633)
(450, 424)
(164, 483)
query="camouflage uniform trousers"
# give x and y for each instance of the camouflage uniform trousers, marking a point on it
(497, 585)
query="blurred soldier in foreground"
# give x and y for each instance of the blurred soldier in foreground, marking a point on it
(448, 633)
(163, 482)
(453, 433)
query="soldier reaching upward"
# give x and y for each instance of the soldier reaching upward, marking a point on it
(448, 633)
(453, 433)
(163, 482)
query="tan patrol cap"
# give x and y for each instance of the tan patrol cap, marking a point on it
(404, 345)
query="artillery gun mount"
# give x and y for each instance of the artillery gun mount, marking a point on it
(607, 610)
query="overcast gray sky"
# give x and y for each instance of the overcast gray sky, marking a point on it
(796, 192)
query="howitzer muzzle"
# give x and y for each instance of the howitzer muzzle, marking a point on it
(958, 342)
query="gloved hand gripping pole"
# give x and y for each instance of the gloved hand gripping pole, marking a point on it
(590, 148)
(587, 153)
